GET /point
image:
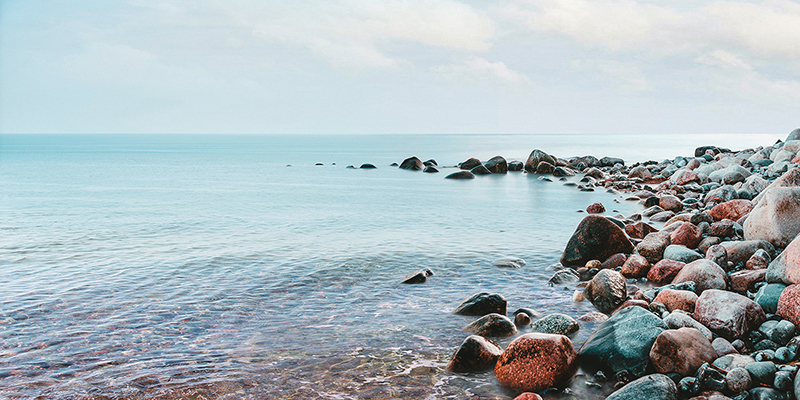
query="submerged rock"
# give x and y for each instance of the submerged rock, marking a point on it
(461, 175)
(558, 324)
(412, 164)
(475, 354)
(655, 386)
(509, 262)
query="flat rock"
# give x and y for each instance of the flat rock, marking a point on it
(481, 304)
(655, 386)
(776, 217)
(475, 354)
(606, 291)
(536, 361)
(595, 238)
(623, 342)
(728, 314)
(681, 351)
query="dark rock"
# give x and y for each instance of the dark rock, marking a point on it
(475, 354)
(710, 378)
(562, 171)
(367, 166)
(623, 342)
(606, 291)
(595, 238)
(545, 167)
(655, 386)
(529, 312)
(413, 164)
(763, 371)
(482, 304)
(494, 325)
(783, 381)
(480, 170)
(765, 393)
(536, 361)
(566, 275)
(497, 165)
(430, 169)
(522, 319)
(470, 164)
(515, 166)
(417, 277)
(639, 230)
(617, 260)
(595, 208)
(611, 161)
(537, 156)
(698, 152)
(431, 163)
(461, 175)
(738, 380)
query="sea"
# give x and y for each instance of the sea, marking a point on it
(236, 267)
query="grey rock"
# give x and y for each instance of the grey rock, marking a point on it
(494, 325)
(509, 262)
(606, 291)
(762, 371)
(461, 175)
(558, 324)
(678, 319)
(677, 252)
(655, 386)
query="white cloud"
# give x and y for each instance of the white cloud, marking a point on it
(620, 76)
(724, 59)
(482, 70)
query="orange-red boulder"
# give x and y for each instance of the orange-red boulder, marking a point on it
(742, 281)
(688, 234)
(732, 210)
(664, 271)
(536, 361)
(789, 304)
(635, 266)
(677, 299)
(595, 238)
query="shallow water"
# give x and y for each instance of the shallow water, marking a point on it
(204, 267)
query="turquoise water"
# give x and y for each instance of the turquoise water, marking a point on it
(192, 266)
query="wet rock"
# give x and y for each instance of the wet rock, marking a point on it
(497, 165)
(765, 393)
(623, 342)
(732, 361)
(783, 381)
(480, 170)
(566, 275)
(461, 175)
(681, 351)
(481, 304)
(522, 319)
(595, 238)
(412, 164)
(639, 230)
(529, 312)
(653, 245)
(606, 291)
(596, 208)
(763, 371)
(535, 158)
(681, 253)
(492, 325)
(723, 347)
(475, 354)
(783, 331)
(687, 235)
(545, 168)
(670, 203)
(652, 210)
(430, 163)
(515, 166)
(640, 172)
(741, 251)
(509, 262)
(417, 277)
(789, 304)
(683, 177)
(563, 171)
(655, 386)
(732, 210)
(636, 266)
(776, 218)
(768, 295)
(536, 361)
(665, 271)
(728, 314)
(677, 299)
(738, 380)
(743, 281)
(662, 216)
(593, 316)
(367, 166)
(558, 324)
(469, 164)
(680, 319)
(431, 170)
(528, 396)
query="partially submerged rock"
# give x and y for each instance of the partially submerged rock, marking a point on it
(535, 362)
(595, 238)
(476, 353)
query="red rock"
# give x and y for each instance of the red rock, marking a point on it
(741, 250)
(536, 361)
(723, 347)
(617, 260)
(639, 230)
(693, 164)
(792, 254)
(789, 304)
(476, 353)
(596, 208)
(681, 351)
(664, 271)
(683, 177)
(688, 234)
(528, 396)
(757, 261)
(729, 314)
(742, 281)
(595, 238)
(670, 203)
(677, 299)
(635, 266)
(705, 273)
(732, 210)
(723, 228)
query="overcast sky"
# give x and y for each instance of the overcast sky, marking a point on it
(399, 66)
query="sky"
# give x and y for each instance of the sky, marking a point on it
(399, 66)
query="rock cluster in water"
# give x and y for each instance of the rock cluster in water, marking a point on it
(720, 257)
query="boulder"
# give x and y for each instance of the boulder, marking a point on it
(497, 165)
(535, 362)
(655, 386)
(681, 351)
(636, 266)
(494, 325)
(776, 271)
(741, 251)
(684, 176)
(537, 156)
(732, 210)
(687, 234)
(677, 299)
(728, 314)
(516, 166)
(481, 304)
(545, 168)
(664, 271)
(470, 164)
(790, 178)
(558, 324)
(705, 273)
(680, 319)
(412, 164)
(792, 261)
(670, 203)
(789, 304)
(475, 354)
(776, 218)
(653, 245)
(480, 170)
(639, 230)
(461, 175)
(623, 342)
(742, 281)
(606, 291)
(595, 238)
(681, 253)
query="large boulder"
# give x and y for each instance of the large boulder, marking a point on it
(740, 251)
(497, 165)
(492, 325)
(789, 304)
(790, 178)
(776, 218)
(537, 156)
(681, 351)
(728, 314)
(469, 164)
(536, 361)
(655, 386)
(623, 342)
(677, 299)
(792, 261)
(481, 304)
(595, 238)
(732, 210)
(606, 291)
(476, 353)
(461, 175)
(705, 273)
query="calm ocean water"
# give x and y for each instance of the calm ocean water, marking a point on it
(202, 266)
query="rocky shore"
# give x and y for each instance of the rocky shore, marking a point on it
(697, 296)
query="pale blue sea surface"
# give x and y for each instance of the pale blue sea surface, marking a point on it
(202, 266)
